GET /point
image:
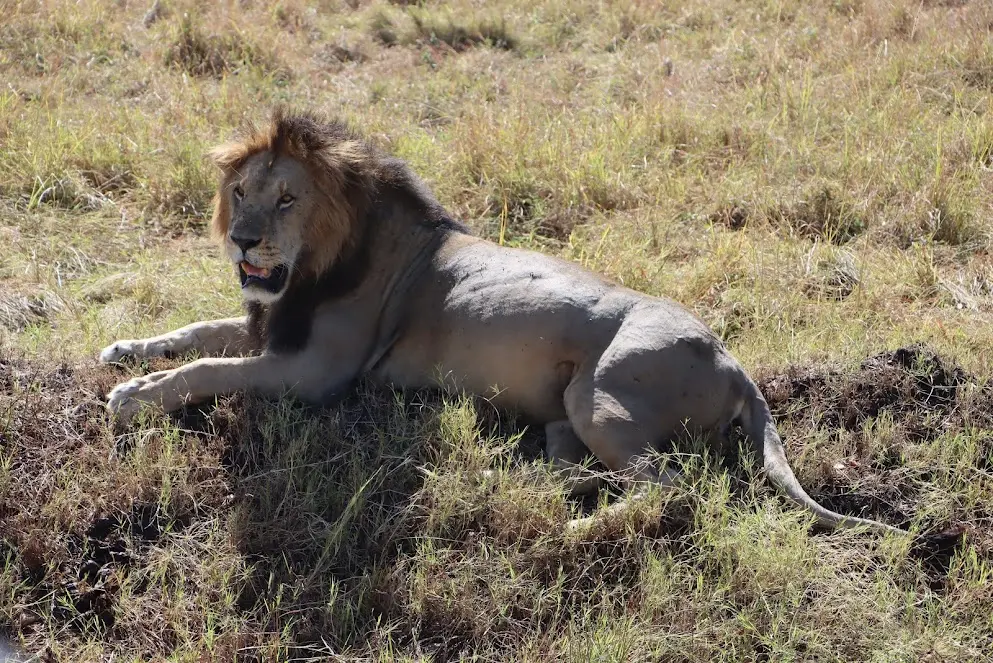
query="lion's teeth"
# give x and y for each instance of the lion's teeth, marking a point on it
(265, 273)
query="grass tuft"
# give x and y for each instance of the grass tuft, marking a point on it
(383, 28)
(18, 311)
(834, 276)
(822, 211)
(950, 218)
(436, 29)
(202, 54)
(187, 187)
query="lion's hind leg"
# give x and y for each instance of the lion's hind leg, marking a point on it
(228, 336)
(609, 429)
(566, 453)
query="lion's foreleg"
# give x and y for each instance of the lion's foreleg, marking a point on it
(228, 336)
(274, 375)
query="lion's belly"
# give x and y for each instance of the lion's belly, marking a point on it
(530, 379)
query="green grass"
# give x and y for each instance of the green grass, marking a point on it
(813, 179)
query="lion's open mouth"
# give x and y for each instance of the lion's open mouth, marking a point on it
(271, 280)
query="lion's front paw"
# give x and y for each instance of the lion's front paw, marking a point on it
(120, 350)
(121, 401)
(126, 399)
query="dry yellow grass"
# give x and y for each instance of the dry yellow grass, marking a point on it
(814, 179)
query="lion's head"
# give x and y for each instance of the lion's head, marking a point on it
(290, 200)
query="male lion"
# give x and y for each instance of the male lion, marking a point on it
(349, 266)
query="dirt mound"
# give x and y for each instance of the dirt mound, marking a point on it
(913, 384)
(870, 468)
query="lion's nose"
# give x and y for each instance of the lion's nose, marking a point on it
(245, 243)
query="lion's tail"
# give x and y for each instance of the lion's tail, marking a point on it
(757, 422)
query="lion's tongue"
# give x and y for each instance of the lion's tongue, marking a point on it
(252, 270)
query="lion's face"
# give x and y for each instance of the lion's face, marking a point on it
(291, 197)
(271, 199)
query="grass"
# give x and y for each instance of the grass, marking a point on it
(813, 179)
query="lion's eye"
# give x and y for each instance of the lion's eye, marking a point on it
(239, 193)
(285, 201)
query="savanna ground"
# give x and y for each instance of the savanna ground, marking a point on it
(814, 179)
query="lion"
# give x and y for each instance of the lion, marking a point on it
(350, 267)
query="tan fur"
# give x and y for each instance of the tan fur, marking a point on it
(385, 283)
